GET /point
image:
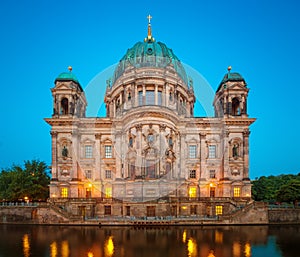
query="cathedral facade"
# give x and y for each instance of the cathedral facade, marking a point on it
(150, 156)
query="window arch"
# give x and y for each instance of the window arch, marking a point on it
(236, 110)
(64, 106)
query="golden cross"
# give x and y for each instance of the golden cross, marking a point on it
(149, 17)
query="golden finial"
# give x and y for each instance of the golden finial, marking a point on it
(229, 68)
(149, 37)
(70, 68)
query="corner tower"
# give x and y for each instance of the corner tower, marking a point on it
(68, 96)
(231, 96)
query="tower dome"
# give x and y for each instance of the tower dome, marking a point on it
(150, 54)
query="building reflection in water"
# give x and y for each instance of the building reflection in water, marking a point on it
(90, 254)
(247, 250)
(192, 248)
(65, 251)
(26, 245)
(127, 241)
(53, 249)
(236, 249)
(184, 236)
(109, 247)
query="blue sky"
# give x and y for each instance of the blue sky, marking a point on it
(260, 39)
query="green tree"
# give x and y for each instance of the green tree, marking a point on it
(289, 192)
(31, 181)
(265, 188)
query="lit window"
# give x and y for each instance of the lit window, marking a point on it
(219, 210)
(236, 192)
(212, 174)
(88, 174)
(192, 192)
(108, 192)
(211, 151)
(88, 151)
(108, 151)
(192, 173)
(108, 174)
(192, 151)
(64, 192)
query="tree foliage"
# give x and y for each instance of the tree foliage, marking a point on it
(30, 181)
(282, 188)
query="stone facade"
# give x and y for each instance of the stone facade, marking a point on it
(150, 156)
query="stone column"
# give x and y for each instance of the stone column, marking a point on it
(246, 134)
(225, 155)
(202, 168)
(98, 157)
(182, 158)
(139, 144)
(75, 156)
(202, 147)
(54, 155)
(155, 94)
(144, 95)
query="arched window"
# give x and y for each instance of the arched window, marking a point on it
(64, 106)
(236, 110)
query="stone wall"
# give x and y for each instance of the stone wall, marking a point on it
(284, 216)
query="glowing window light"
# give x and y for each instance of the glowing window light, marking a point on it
(236, 192)
(192, 192)
(219, 210)
(64, 192)
(53, 249)
(26, 245)
(108, 192)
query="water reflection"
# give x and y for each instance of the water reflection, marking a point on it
(53, 249)
(192, 248)
(109, 247)
(236, 241)
(26, 245)
(65, 248)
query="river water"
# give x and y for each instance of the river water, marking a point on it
(93, 241)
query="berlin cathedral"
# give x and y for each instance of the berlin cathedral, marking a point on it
(150, 156)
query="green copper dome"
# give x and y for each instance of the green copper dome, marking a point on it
(231, 76)
(67, 76)
(150, 54)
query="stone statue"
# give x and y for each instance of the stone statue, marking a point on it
(235, 150)
(64, 152)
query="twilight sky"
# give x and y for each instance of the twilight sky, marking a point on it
(260, 39)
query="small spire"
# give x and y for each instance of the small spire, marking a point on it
(70, 68)
(229, 69)
(149, 36)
